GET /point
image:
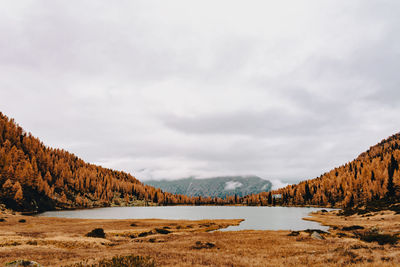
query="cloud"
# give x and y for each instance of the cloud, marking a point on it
(232, 185)
(276, 184)
(178, 88)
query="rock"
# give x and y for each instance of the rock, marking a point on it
(19, 263)
(294, 233)
(310, 231)
(316, 236)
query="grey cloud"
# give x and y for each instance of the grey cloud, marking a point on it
(280, 91)
(267, 123)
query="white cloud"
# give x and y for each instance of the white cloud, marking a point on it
(232, 185)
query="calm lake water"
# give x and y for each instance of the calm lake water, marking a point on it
(256, 218)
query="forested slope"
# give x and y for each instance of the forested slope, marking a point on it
(34, 177)
(373, 175)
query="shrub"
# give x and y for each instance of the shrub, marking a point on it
(353, 227)
(98, 232)
(382, 239)
(143, 234)
(22, 221)
(294, 233)
(201, 245)
(162, 231)
(120, 261)
(23, 263)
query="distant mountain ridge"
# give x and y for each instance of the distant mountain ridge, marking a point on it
(214, 187)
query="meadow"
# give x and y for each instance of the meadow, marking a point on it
(65, 242)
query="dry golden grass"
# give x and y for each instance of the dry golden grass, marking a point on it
(58, 242)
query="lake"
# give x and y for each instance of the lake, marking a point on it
(256, 218)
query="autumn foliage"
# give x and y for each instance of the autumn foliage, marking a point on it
(34, 177)
(374, 175)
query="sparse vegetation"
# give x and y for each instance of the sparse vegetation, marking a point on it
(120, 261)
(64, 239)
(202, 245)
(10, 244)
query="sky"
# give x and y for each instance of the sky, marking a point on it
(285, 90)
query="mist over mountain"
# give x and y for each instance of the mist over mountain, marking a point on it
(214, 186)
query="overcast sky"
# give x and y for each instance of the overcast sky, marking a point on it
(285, 90)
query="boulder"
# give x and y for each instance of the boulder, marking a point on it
(316, 236)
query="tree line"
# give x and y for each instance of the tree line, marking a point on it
(34, 177)
(373, 175)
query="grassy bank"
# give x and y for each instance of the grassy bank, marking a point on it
(352, 240)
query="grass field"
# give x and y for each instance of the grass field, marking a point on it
(63, 242)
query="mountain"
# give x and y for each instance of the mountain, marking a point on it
(214, 187)
(373, 176)
(34, 178)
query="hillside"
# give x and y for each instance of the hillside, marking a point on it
(34, 177)
(214, 187)
(374, 175)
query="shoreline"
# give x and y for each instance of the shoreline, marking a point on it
(54, 241)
